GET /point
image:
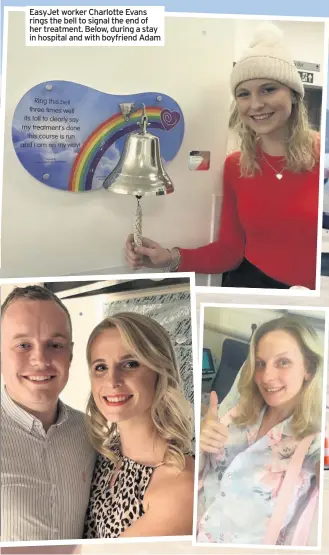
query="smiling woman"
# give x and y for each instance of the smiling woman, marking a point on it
(265, 452)
(140, 423)
(273, 99)
(270, 186)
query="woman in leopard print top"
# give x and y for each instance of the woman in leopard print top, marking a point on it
(140, 423)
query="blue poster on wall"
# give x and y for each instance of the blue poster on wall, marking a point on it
(70, 137)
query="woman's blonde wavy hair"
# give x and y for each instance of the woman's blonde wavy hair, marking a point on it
(306, 418)
(302, 142)
(171, 414)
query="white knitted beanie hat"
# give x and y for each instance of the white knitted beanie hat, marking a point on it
(267, 58)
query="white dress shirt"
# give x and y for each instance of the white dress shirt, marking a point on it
(45, 476)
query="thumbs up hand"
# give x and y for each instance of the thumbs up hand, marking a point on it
(213, 434)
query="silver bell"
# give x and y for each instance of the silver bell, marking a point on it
(140, 171)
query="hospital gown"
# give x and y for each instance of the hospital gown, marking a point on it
(242, 482)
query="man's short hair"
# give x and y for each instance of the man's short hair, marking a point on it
(34, 293)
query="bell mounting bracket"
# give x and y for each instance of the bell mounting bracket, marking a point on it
(128, 108)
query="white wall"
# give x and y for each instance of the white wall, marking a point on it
(86, 313)
(237, 322)
(51, 232)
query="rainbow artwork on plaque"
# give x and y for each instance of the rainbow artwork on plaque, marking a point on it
(70, 137)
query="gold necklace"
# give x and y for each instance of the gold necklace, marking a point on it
(278, 175)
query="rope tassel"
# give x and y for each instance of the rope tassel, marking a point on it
(138, 225)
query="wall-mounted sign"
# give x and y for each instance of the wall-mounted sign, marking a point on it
(199, 160)
(70, 137)
(306, 76)
(307, 66)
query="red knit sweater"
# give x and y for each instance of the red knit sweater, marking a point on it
(272, 223)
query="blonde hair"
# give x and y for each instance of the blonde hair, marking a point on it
(171, 413)
(302, 143)
(306, 418)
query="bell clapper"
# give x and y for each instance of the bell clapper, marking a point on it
(138, 224)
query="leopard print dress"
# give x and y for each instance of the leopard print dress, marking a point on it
(114, 508)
